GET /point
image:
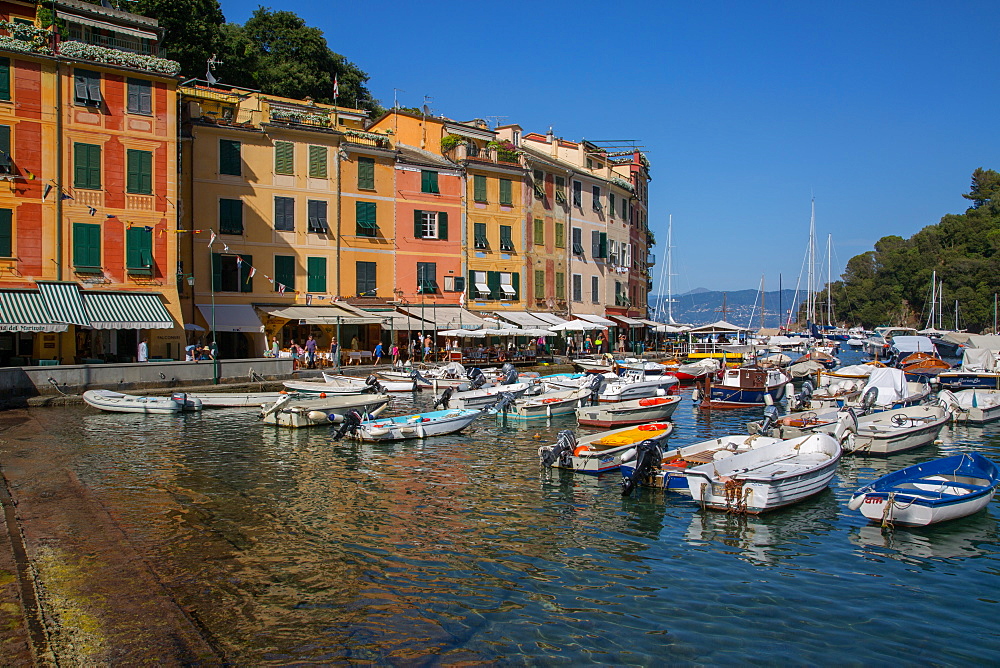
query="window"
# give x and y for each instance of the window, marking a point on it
(454, 283)
(231, 273)
(86, 247)
(317, 216)
(598, 244)
(539, 232)
(365, 272)
(508, 289)
(140, 97)
(561, 190)
(426, 277)
(577, 287)
(479, 284)
(596, 190)
(560, 285)
(428, 181)
(139, 179)
(430, 225)
(479, 188)
(613, 252)
(506, 192)
(577, 241)
(560, 235)
(611, 204)
(577, 194)
(231, 216)
(365, 214)
(481, 240)
(6, 233)
(317, 162)
(539, 183)
(87, 166)
(366, 173)
(284, 214)
(284, 272)
(4, 78)
(316, 274)
(619, 297)
(87, 87)
(230, 160)
(539, 284)
(284, 157)
(506, 242)
(6, 156)
(139, 250)
(595, 290)
(625, 209)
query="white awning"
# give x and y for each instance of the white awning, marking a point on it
(548, 318)
(596, 319)
(522, 318)
(113, 27)
(507, 289)
(320, 315)
(629, 322)
(447, 317)
(401, 322)
(231, 317)
(482, 287)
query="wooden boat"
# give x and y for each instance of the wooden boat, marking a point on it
(116, 402)
(747, 386)
(310, 410)
(975, 406)
(766, 477)
(635, 411)
(921, 366)
(978, 371)
(235, 399)
(403, 427)
(601, 452)
(880, 433)
(935, 491)
(339, 386)
(548, 405)
(413, 384)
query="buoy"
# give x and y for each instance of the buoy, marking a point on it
(581, 450)
(322, 395)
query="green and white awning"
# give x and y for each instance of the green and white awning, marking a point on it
(25, 311)
(63, 301)
(126, 310)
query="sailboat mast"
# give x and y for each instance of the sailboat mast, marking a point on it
(781, 307)
(930, 320)
(811, 272)
(670, 270)
(763, 296)
(940, 304)
(829, 283)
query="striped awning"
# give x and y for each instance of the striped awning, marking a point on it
(628, 322)
(550, 318)
(25, 311)
(522, 318)
(126, 310)
(320, 315)
(63, 301)
(394, 321)
(596, 319)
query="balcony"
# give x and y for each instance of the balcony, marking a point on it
(651, 259)
(490, 154)
(300, 118)
(371, 139)
(139, 202)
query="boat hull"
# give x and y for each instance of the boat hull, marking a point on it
(968, 381)
(397, 429)
(591, 458)
(626, 413)
(116, 402)
(235, 399)
(315, 412)
(879, 435)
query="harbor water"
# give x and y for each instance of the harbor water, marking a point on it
(287, 547)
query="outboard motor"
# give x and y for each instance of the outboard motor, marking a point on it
(648, 457)
(770, 417)
(445, 397)
(502, 404)
(352, 421)
(373, 384)
(802, 398)
(846, 429)
(509, 374)
(476, 378)
(596, 383)
(561, 452)
(417, 376)
(868, 400)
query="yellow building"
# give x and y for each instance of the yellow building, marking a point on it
(270, 242)
(88, 214)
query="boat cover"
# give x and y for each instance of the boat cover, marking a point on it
(913, 344)
(978, 360)
(988, 341)
(890, 383)
(855, 370)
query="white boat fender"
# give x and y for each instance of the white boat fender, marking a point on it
(628, 455)
(695, 394)
(660, 392)
(856, 501)
(316, 416)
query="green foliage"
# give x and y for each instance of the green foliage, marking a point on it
(451, 141)
(191, 30)
(891, 284)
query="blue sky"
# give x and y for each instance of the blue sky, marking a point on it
(881, 111)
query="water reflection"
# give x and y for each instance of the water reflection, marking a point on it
(974, 536)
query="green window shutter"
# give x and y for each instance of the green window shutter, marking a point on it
(493, 282)
(139, 167)
(479, 188)
(230, 216)
(216, 272)
(6, 233)
(133, 247)
(611, 204)
(366, 216)
(284, 271)
(4, 78)
(560, 285)
(604, 245)
(6, 157)
(539, 284)
(230, 160)
(317, 162)
(506, 190)
(316, 266)
(515, 282)
(479, 232)
(284, 157)
(246, 281)
(470, 285)
(443, 226)
(366, 173)
(418, 225)
(506, 240)
(560, 235)
(539, 232)
(87, 166)
(429, 181)
(86, 245)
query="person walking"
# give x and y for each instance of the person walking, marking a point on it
(311, 352)
(621, 343)
(296, 353)
(394, 351)
(588, 345)
(143, 352)
(334, 352)
(378, 353)
(275, 346)
(427, 347)
(598, 344)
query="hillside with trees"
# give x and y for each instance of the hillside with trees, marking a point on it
(891, 285)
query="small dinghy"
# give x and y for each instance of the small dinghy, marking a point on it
(976, 406)
(636, 411)
(403, 427)
(308, 410)
(116, 402)
(636, 385)
(545, 406)
(236, 399)
(935, 491)
(767, 477)
(478, 398)
(602, 452)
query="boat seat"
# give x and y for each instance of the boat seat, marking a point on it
(703, 457)
(945, 483)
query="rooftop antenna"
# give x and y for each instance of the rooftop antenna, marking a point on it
(212, 62)
(423, 122)
(496, 120)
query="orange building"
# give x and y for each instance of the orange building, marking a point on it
(88, 217)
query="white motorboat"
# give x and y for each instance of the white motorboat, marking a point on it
(403, 427)
(634, 411)
(601, 452)
(972, 405)
(478, 398)
(116, 402)
(636, 385)
(411, 385)
(545, 406)
(886, 389)
(696, 370)
(340, 385)
(594, 363)
(309, 410)
(235, 399)
(643, 366)
(766, 477)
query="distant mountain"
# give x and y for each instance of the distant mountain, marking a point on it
(701, 307)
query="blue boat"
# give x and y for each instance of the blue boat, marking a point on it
(747, 386)
(935, 491)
